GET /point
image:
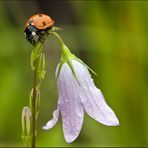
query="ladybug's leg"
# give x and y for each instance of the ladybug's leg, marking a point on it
(42, 35)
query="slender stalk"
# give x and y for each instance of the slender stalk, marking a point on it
(59, 38)
(38, 67)
(29, 121)
(36, 55)
(34, 106)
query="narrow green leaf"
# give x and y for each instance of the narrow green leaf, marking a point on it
(41, 66)
(36, 53)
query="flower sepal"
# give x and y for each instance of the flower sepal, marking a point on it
(67, 57)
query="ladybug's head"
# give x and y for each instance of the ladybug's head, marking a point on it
(31, 33)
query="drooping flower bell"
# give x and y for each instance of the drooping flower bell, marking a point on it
(77, 94)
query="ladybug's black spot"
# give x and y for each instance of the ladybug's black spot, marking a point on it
(40, 15)
(44, 24)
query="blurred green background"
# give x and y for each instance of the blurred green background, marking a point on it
(110, 36)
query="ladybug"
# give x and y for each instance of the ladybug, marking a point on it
(36, 26)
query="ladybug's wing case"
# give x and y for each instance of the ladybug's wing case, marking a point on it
(43, 21)
(30, 20)
(40, 21)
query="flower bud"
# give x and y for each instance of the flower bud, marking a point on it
(26, 122)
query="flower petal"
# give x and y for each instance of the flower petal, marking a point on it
(92, 98)
(51, 123)
(70, 104)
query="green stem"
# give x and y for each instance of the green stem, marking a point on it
(37, 63)
(35, 56)
(34, 106)
(65, 50)
(59, 39)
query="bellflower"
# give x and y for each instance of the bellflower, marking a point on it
(78, 93)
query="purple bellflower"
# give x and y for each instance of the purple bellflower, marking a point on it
(78, 93)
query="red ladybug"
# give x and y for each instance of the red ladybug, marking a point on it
(37, 25)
